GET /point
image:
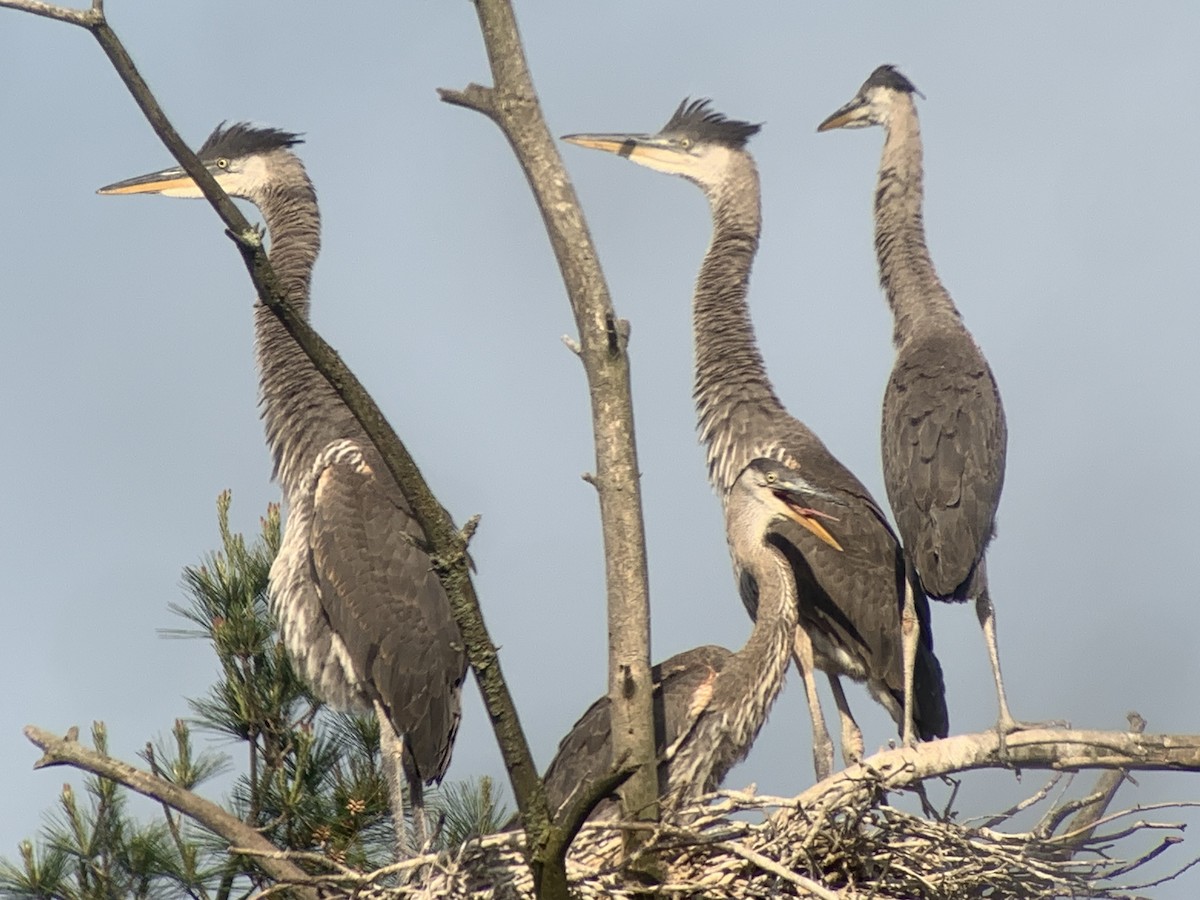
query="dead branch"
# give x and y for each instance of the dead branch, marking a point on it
(1040, 748)
(58, 751)
(512, 105)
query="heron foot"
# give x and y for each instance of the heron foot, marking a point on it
(1007, 725)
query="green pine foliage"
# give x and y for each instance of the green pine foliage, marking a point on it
(468, 809)
(307, 777)
(92, 848)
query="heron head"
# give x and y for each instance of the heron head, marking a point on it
(696, 143)
(781, 493)
(875, 100)
(240, 157)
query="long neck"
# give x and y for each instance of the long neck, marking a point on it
(746, 687)
(905, 268)
(731, 382)
(300, 410)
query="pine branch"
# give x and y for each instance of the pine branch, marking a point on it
(68, 751)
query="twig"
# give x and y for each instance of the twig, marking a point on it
(1125, 813)
(1165, 878)
(998, 818)
(467, 532)
(769, 865)
(1164, 845)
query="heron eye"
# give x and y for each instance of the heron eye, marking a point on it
(222, 163)
(685, 143)
(771, 476)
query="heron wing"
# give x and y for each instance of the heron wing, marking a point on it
(850, 601)
(585, 754)
(382, 598)
(944, 443)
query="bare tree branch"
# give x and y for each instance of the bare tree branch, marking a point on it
(513, 105)
(576, 814)
(1038, 748)
(86, 18)
(59, 751)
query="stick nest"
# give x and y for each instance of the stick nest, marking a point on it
(739, 845)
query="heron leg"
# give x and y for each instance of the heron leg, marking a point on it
(987, 620)
(391, 750)
(910, 636)
(852, 739)
(822, 743)
(416, 799)
(1006, 724)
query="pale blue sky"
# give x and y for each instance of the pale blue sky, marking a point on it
(1062, 190)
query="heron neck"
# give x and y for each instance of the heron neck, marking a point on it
(301, 412)
(746, 687)
(906, 271)
(731, 381)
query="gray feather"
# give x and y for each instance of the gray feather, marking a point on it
(740, 418)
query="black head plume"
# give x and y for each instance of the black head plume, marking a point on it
(889, 76)
(699, 121)
(243, 139)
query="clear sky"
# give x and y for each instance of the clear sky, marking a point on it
(1061, 214)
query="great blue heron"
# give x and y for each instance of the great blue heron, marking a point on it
(362, 612)
(850, 602)
(709, 704)
(944, 436)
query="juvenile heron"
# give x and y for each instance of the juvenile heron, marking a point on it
(944, 436)
(362, 613)
(851, 602)
(709, 704)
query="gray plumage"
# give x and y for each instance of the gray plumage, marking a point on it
(944, 436)
(709, 704)
(362, 613)
(850, 603)
(585, 754)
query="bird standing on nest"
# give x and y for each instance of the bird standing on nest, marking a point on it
(362, 612)
(944, 436)
(852, 604)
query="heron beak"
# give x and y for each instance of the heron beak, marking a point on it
(853, 115)
(173, 182)
(807, 518)
(642, 148)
